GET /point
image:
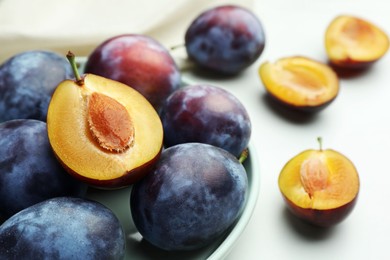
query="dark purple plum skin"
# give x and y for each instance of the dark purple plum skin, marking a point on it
(138, 61)
(193, 196)
(63, 228)
(206, 114)
(29, 171)
(225, 39)
(27, 82)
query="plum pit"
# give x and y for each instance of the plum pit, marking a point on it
(110, 123)
(314, 175)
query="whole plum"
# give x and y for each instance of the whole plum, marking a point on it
(27, 81)
(192, 197)
(29, 172)
(225, 39)
(138, 61)
(206, 114)
(63, 228)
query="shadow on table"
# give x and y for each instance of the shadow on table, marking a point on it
(349, 73)
(294, 116)
(305, 230)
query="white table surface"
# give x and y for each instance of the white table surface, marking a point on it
(356, 124)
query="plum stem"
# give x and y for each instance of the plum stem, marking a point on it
(177, 46)
(185, 64)
(244, 155)
(71, 58)
(319, 139)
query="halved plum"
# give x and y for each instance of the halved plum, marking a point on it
(320, 186)
(352, 42)
(300, 82)
(103, 132)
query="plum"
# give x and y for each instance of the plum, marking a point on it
(354, 43)
(29, 171)
(206, 113)
(27, 81)
(320, 186)
(63, 228)
(225, 39)
(194, 194)
(138, 61)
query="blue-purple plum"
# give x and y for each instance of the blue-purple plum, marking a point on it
(27, 81)
(138, 61)
(63, 228)
(206, 114)
(195, 193)
(29, 171)
(225, 39)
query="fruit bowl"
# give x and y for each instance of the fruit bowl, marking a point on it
(137, 248)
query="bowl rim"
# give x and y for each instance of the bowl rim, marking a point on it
(254, 187)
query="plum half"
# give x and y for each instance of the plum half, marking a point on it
(320, 186)
(103, 132)
(352, 42)
(300, 83)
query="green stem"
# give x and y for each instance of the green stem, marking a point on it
(72, 60)
(174, 47)
(243, 156)
(319, 139)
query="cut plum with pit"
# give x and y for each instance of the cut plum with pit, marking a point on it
(320, 186)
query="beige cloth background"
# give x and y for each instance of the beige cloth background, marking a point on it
(81, 25)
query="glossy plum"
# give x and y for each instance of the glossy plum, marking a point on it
(206, 114)
(193, 196)
(27, 81)
(29, 172)
(63, 228)
(225, 39)
(138, 61)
